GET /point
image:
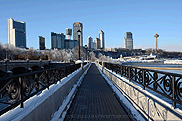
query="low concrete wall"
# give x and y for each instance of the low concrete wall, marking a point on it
(147, 104)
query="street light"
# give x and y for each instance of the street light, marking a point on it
(79, 34)
(86, 52)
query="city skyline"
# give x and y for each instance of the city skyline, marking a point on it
(142, 18)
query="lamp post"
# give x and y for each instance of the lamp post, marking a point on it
(79, 34)
(86, 52)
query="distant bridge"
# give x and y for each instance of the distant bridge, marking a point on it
(20, 66)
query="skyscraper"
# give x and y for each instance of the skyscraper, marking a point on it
(97, 41)
(41, 43)
(90, 43)
(17, 33)
(78, 26)
(57, 40)
(128, 40)
(68, 33)
(94, 46)
(101, 37)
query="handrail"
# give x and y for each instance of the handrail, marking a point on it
(18, 88)
(166, 84)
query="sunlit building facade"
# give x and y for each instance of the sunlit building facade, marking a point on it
(128, 40)
(101, 37)
(17, 33)
(97, 41)
(78, 26)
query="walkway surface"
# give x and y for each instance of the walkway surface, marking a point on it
(95, 101)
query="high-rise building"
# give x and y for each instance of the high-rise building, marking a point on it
(94, 46)
(90, 43)
(68, 33)
(101, 37)
(57, 40)
(128, 40)
(70, 44)
(97, 41)
(78, 26)
(41, 43)
(17, 33)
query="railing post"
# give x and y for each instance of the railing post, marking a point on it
(28, 63)
(47, 77)
(121, 69)
(21, 92)
(103, 65)
(135, 74)
(82, 66)
(116, 67)
(173, 90)
(112, 67)
(125, 71)
(129, 73)
(143, 78)
(40, 63)
(6, 66)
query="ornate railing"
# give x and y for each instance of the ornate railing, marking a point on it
(166, 84)
(14, 90)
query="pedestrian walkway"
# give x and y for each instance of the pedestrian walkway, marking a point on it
(95, 101)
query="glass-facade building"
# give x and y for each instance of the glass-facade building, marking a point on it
(128, 40)
(78, 26)
(70, 44)
(90, 43)
(17, 33)
(41, 43)
(57, 40)
(97, 41)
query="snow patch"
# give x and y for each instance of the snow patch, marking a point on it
(173, 62)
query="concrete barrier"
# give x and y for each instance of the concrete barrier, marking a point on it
(150, 106)
(48, 104)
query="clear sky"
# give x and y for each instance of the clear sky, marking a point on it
(115, 17)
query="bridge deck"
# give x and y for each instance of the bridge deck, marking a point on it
(95, 100)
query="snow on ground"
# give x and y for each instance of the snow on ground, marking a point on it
(67, 101)
(78, 61)
(18, 113)
(134, 61)
(135, 113)
(173, 62)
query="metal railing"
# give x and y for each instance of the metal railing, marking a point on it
(14, 90)
(166, 84)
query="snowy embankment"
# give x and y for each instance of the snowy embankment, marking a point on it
(124, 100)
(134, 61)
(173, 62)
(18, 113)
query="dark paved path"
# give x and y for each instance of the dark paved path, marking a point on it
(95, 101)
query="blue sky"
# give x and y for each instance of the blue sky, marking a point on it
(115, 17)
